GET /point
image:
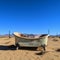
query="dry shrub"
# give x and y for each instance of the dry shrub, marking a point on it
(55, 39)
(58, 50)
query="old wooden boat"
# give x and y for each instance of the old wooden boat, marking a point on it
(23, 41)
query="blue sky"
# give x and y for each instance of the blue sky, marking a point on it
(30, 16)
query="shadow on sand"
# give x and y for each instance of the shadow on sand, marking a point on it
(12, 47)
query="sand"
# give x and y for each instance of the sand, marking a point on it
(8, 53)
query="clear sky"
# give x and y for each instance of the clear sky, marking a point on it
(30, 16)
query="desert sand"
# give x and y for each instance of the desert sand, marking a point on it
(9, 53)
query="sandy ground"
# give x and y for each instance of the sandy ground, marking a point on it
(8, 53)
